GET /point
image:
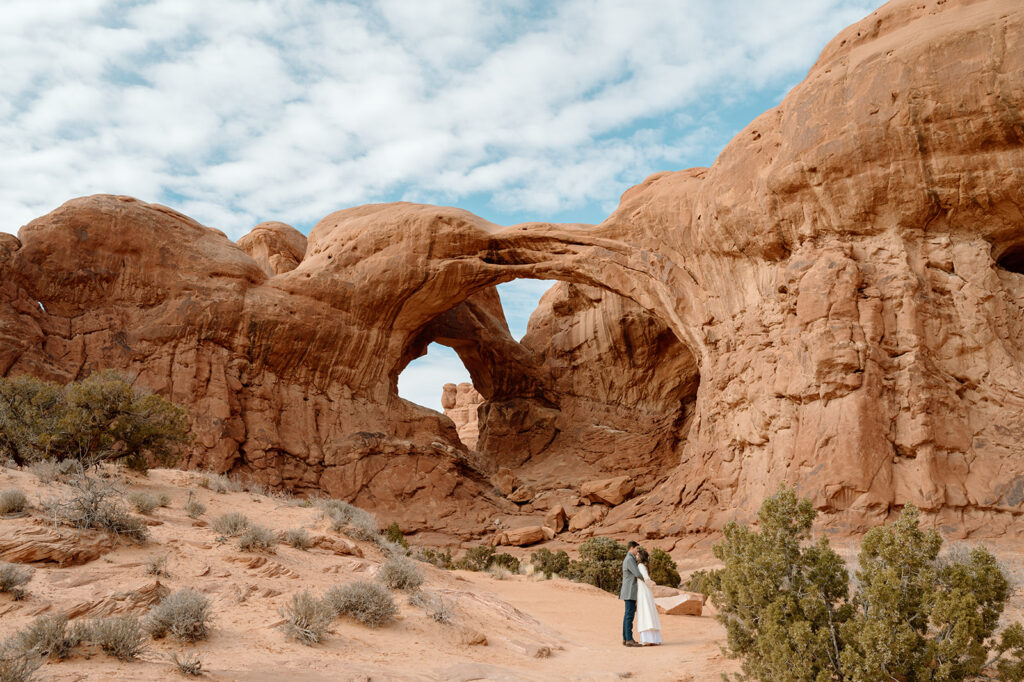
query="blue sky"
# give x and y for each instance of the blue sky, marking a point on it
(240, 111)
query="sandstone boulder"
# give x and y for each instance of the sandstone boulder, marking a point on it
(664, 591)
(521, 537)
(522, 494)
(27, 543)
(505, 481)
(610, 491)
(683, 604)
(587, 517)
(556, 519)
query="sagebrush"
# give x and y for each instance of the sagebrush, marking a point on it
(184, 615)
(367, 602)
(400, 573)
(231, 524)
(307, 618)
(12, 501)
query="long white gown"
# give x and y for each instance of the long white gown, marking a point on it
(647, 622)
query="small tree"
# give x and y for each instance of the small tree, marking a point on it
(915, 615)
(99, 418)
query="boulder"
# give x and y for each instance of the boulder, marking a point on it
(610, 491)
(556, 519)
(587, 517)
(522, 494)
(521, 537)
(683, 604)
(664, 591)
(505, 481)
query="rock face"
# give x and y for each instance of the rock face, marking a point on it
(837, 303)
(683, 604)
(460, 403)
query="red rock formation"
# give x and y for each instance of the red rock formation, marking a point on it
(843, 290)
(460, 403)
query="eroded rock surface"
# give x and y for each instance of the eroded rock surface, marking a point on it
(837, 303)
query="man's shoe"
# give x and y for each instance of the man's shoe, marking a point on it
(630, 642)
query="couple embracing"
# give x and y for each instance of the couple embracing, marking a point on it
(639, 599)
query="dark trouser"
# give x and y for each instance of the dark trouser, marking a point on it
(627, 620)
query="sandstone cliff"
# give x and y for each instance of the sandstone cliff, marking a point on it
(836, 303)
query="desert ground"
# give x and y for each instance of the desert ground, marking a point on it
(534, 629)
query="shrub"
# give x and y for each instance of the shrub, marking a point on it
(219, 483)
(786, 606)
(298, 538)
(16, 663)
(366, 602)
(354, 522)
(663, 569)
(190, 665)
(499, 572)
(163, 500)
(195, 509)
(45, 471)
(506, 561)
(144, 503)
(91, 506)
(400, 573)
(306, 618)
(231, 524)
(157, 565)
(12, 577)
(185, 615)
(49, 637)
(98, 418)
(12, 501)
(436, 607)
(550, 563)
(435, 557)
(120, 636)
(476, 559)
(257, 539)
(394, 534)
(600, 564)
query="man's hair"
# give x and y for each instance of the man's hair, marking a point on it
(631, 544)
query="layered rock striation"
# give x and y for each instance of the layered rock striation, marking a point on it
(836, 304)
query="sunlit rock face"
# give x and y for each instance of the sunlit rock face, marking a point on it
(836, 303)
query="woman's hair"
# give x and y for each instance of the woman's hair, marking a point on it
(644, 556)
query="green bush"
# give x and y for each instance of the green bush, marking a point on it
(550, 563)
(436, 557)
(96, 419)
(914, 614)
(506, 561)
(476, 559)
(600, 564)
(663, 569)
(394, 534)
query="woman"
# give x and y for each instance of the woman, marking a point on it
(647, 622)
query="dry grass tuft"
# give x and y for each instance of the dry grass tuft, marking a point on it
(12, 501)
(120, 636)
(144, 503)
(298, 538)
(195, 509)
(231, 524)
(189, 666)
(12, 577)
(307, 618)
(257, 539)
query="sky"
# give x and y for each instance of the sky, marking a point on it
(240, 111)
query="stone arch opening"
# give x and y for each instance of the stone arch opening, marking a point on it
(596, 380)
(1012, 259)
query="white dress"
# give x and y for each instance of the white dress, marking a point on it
(647, 622)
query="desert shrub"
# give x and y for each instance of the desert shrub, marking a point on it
(400, 573)
(49, 637)
(476, 559)
(120, 636)
(663, 569)
(550, 563)
(189, 665)
(506, 561)
(298, 538)
(338, 511)
(231, 524)
(184, 615)
(91, 506)
(436, 607)
(144, 503)
(366, 602)
(96, 419)
(12, 577)
(163, 500)
(16, 663)
(12, 501)
(45, 471)
(194, 509)
(307, 618)
(157, 565)
(257, 539)
(219, 483)
(498, 572)
(786, 605)
(354, 522)
(435, 557)
(394, 534)
(600, 564)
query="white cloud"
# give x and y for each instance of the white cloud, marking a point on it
(256, 110)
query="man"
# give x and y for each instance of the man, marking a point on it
(630, 574)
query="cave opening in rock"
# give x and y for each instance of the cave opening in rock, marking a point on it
(1012, 259)
(596, 383)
